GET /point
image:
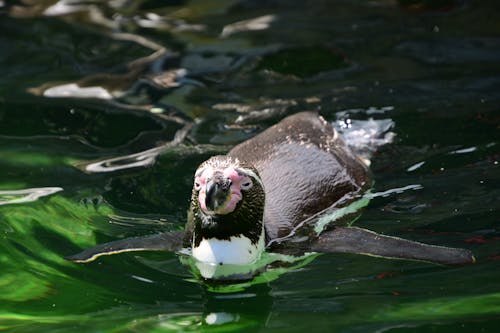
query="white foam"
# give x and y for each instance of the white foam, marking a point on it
(365, 137)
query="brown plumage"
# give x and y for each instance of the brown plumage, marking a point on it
(306, 168)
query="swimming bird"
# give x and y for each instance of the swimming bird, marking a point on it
(292, 189)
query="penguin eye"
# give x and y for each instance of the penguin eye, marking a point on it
(246, 185)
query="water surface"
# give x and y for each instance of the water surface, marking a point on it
(107, 108)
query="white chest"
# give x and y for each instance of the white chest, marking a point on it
(237, 250)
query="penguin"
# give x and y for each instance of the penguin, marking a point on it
(293, 189)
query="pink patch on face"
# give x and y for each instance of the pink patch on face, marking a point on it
(238, 181)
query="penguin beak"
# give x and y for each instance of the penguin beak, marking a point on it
(217, 193)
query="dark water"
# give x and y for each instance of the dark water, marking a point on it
(182, 76)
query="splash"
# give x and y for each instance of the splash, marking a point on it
(365, 137)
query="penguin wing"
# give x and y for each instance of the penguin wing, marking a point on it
(362, 241)
(168, 241)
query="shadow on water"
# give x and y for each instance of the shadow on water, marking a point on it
(106, 108)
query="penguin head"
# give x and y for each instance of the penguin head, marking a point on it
(224, 186)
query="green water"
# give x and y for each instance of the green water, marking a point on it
(432, 67)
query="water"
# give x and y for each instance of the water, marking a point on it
(92, 93)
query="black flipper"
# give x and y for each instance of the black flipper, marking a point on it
(169, 241)
(362, 241)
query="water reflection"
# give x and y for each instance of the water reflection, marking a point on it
(135, 160)
(398, 190)
(232, 312)
(258, 23)
(415, 166)
(75, 91)
(141, 159)
(463, 150)
(252, 307)
(8, 197)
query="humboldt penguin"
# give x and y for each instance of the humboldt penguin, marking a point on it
(292, 189)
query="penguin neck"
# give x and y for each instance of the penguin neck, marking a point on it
(223, 227)
(226, 239)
